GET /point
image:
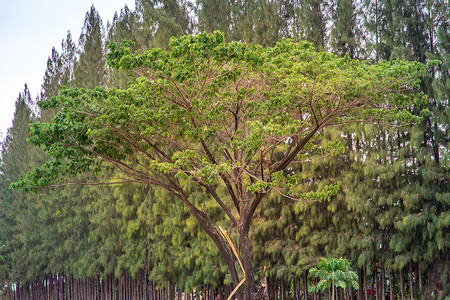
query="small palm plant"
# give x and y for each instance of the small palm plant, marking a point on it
(333, 273)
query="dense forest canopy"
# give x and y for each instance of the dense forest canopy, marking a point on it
(239, 126)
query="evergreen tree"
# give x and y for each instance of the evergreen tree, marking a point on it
(215, 15)
(344, 35)
(311, 25)
(123, 26)
(53, 76)
(90, 68)
(68, 60)
(162, 19)
(17, 221)
(380, 29)
(59, 73)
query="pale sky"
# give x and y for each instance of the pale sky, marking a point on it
(28, 31)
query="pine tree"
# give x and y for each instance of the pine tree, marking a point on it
(123, 27)
(59, 73)
(68, 60)
(162, 19)
(311, 25)
(215, 15)
(17, 221)
(53, 76)
(380, 29)
(344, 35)
(90, 68)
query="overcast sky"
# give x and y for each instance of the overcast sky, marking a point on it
(28, 31)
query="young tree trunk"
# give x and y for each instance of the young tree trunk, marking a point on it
(365, 283)
(74, 289)
(391, 284)
(305, 285)
(295, 296)
(419, 276)
(361, 284)
(383, 282)
(167, 291)
(402, 284)
(412, 281)
(375, 289)
(144, 283)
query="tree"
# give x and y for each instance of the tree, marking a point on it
(162, 19)
(214, 15)
(17, 160)
(344, 37)
(334, 273)
(123, 26)
(90, 69)
(219, 115)
(311, 24)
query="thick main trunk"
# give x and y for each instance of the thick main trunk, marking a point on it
(250, 286)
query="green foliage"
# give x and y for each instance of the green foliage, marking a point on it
(311, 24)
(182, 82)
(386, 188)
(334, 273)
(344, 35)
(211, 113)
(89, 69)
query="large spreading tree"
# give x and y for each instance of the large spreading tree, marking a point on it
(223, 116)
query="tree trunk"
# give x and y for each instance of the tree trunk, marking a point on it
(402, 284)
(391, 284)
(250, 286)
(419, 276)
(375, 288)
(283, 289)
(305, 285)
(365, 283)
(412, 282)
(383, 282)
(361, 284)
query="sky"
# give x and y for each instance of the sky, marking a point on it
(29, 29)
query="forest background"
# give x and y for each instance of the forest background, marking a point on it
(390, 218)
